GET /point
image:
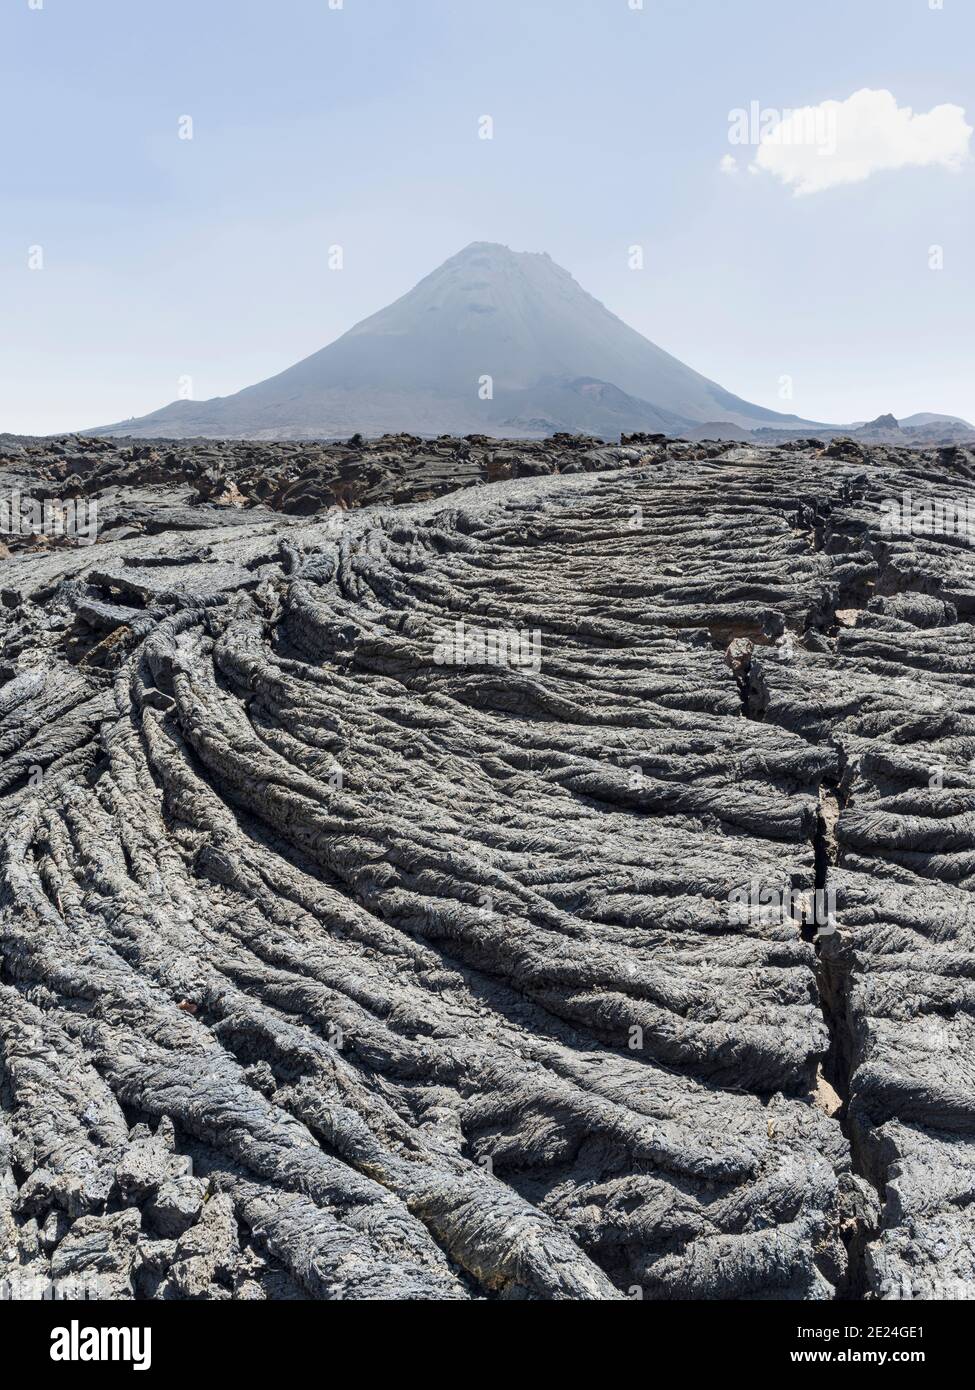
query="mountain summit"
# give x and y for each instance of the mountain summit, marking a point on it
(494, 341)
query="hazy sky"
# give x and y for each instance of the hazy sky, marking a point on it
(165, 258)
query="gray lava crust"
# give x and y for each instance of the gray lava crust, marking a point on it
(334, 967)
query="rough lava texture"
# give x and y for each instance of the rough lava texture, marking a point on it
(335, 969)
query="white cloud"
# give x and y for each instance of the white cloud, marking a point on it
(839, 142)
(729, 164)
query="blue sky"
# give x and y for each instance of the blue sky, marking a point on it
(208, 258)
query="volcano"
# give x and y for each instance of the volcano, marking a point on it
(495, 341)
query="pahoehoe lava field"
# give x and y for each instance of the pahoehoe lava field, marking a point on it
(331, 968)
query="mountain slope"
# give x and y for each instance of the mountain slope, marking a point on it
(926, 417)
(556, 357)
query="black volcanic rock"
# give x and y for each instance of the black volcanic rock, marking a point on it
(342, 958)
